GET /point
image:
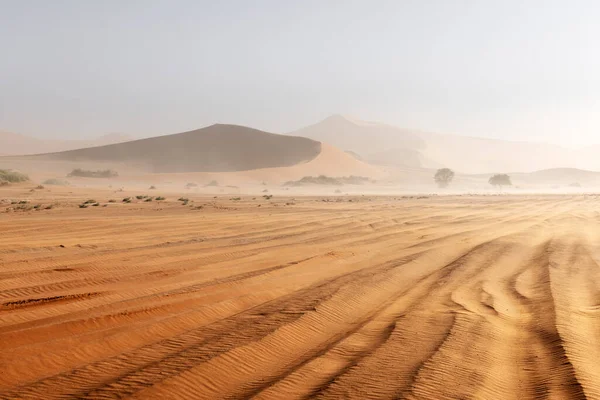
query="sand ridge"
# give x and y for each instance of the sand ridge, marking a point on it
(216, 148)
(381, 297)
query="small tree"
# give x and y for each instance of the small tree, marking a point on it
(443, 177)
(500, 180)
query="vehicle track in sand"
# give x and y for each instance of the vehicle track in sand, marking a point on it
(447, 298)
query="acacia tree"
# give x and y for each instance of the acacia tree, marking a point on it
(500, 180)
(443, 177)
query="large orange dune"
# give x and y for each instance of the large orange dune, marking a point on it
(480, 297)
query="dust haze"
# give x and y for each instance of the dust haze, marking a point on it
(297, 200)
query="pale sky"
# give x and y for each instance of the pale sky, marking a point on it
(519, 70)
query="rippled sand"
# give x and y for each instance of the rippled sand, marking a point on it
(431, 298)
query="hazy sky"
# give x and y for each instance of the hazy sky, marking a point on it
(522, 70)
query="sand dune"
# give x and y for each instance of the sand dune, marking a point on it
(374, 142)
(227, 153)
(217, 148)
(489, 297)
(389, 145)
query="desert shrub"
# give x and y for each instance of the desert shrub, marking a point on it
(328, 180)
(95, 204)
(212, 183)
(127, 200)
(160, 198)
(40, 187)
(500, 180)
(8, 175)
(37, 206)
(148, 199)
(83, 206)
(23, 202)
(112, 201)
(191, 185)
(236, 198)
(50, 207)
(141, 197)
(152, 187)
(90, 201)
(107, 173)
(443, 177)
(54, 181)
(355, 180)
(183, 199)
(268, 196)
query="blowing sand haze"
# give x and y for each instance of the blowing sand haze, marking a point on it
(300, 200)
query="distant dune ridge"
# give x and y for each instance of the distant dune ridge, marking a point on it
(372, 142)
(336, 146)
(383, 144)
(217, 148)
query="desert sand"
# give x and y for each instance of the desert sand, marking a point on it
(444, 297)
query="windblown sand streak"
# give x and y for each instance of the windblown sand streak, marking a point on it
(438, 298)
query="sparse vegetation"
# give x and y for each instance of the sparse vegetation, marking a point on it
(160, 198)
(127, 200)
(40, 187)
(212, 183)
(90, 201)
(107, 173)
(500, 180)
(331, 181)
(268, 196)
(152, 187)
(112, 201)
(95, 204)
(55, 181)
(443, 177)
(83, 206)
(10, 176)
(191, 185)
(236, 198)
(148, 199)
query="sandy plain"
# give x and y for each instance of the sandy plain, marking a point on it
(444, 297)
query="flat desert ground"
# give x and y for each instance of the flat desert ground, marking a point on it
(483, 297)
